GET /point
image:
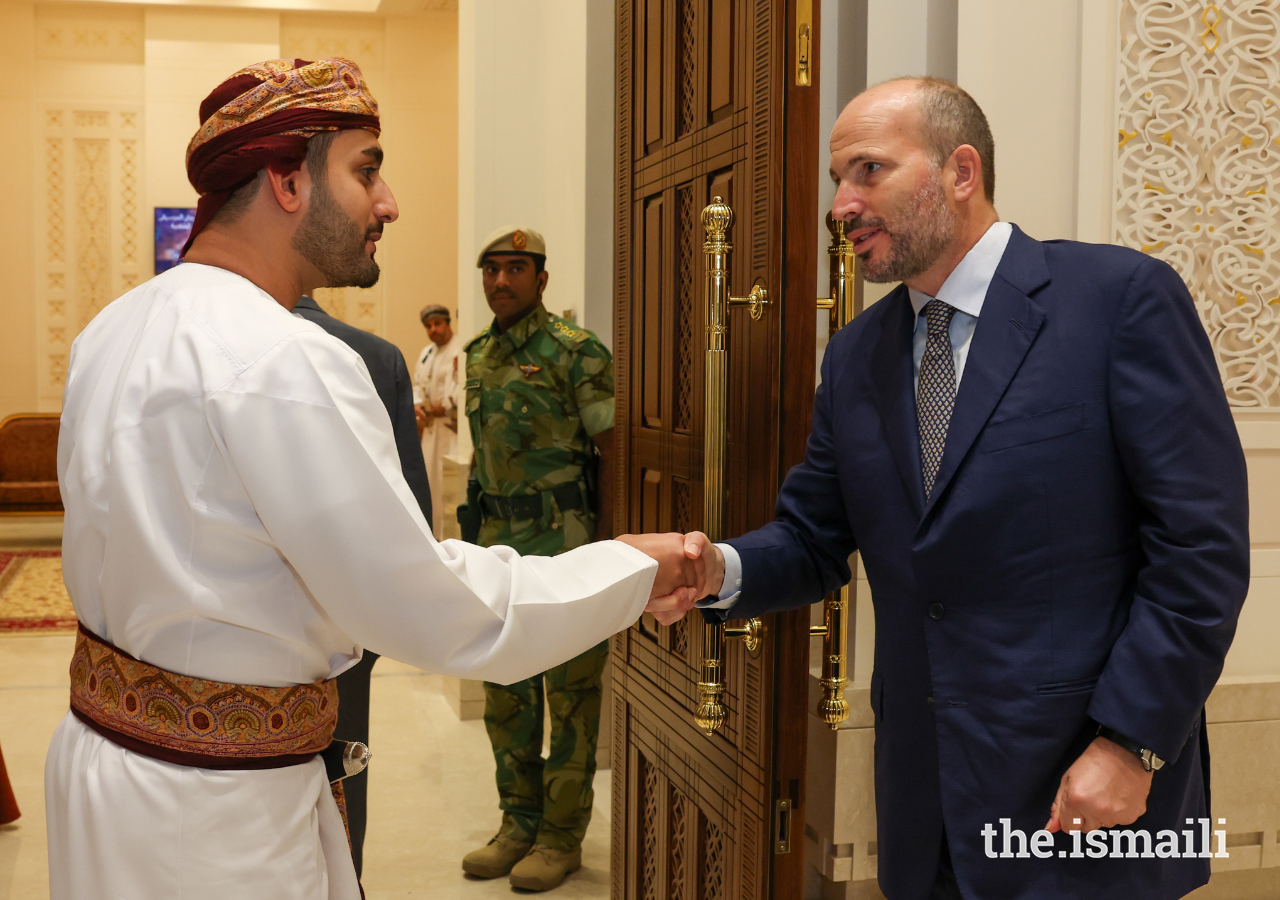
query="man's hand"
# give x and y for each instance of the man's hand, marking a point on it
(1106, 786)
(420, 418)
(713, 582)
(681, 573)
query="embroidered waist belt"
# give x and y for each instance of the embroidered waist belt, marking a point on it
(194, 721)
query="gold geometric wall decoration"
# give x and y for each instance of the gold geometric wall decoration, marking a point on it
(317, 36)
(1197, 174)
(93, 228)
(88, 33)
(90, 248)
(362, 308)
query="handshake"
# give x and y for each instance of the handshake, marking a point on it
(690, 567)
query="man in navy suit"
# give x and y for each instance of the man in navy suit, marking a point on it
(391, 380)
(1029, 445)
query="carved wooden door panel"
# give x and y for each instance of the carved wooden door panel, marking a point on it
(709, 105)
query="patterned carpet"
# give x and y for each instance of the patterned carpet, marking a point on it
(32, 595)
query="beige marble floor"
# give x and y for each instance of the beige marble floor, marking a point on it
(431, 796)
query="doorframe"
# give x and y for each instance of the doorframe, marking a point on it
(801, 109)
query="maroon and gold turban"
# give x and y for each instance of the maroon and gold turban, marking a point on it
(262, 117)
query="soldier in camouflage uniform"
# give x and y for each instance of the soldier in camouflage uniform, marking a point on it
(539, 395)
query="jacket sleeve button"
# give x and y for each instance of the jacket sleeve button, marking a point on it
(937, 611)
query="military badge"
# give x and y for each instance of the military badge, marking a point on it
(530, 369)
(519, 240)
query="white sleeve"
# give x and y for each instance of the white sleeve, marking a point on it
(313, 446)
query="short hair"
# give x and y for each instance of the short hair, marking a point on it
(240, 200)
(317, 164)
(318, 156)
(951, 118)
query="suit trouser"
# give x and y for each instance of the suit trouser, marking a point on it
(548, 801)
(945, 886)
(353, 725)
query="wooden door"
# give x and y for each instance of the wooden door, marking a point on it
(708, 105)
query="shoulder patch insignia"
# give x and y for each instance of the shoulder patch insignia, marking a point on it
(530, 369)
(570, 333)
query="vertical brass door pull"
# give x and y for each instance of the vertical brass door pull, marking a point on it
(845, 302)
(717, 218)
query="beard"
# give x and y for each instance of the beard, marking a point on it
(333, 242)
(918, 233)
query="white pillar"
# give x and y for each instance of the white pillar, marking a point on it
(1029, 89)
(536, 148)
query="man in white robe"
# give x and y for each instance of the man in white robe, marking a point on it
(199, 540)
(435, 398)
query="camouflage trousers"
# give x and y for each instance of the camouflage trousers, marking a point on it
(556, 532)
(547, 801)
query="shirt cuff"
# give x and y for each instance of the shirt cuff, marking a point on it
(731, 587)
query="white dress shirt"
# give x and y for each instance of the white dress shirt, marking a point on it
(966, 290)
(236, 511)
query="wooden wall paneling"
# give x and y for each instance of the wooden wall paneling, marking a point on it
(633, 817)
(625, 85)
(703, 127)
(688, 271)
(720, 81)
(619, 755)
(800, 155)
(688, 21)
(653, 71)
(651, 312)
(650, 499)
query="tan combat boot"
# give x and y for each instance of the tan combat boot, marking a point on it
(495, 858)
(545, 868)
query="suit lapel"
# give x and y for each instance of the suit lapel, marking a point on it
(892, 374)
(1006, 329)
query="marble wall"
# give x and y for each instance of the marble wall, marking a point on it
(1149, 123)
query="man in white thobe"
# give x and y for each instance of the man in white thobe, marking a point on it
(435, 398)
(198, 538)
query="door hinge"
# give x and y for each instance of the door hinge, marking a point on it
(782, 826)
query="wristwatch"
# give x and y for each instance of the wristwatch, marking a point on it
(1150, 761)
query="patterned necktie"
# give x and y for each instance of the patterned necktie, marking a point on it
(936, 395)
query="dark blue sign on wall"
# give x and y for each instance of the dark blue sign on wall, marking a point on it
(173, 225)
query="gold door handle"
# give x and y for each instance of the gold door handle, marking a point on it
(845, 302)
(717, 218)
(833, 708)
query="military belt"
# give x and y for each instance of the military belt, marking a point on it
(568, 497)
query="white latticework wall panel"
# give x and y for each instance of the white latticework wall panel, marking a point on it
(1196, 169)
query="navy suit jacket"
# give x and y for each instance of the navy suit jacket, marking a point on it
(1082, 559)
(391, 380)
(395, 389)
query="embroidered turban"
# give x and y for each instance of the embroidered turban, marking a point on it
(262, 117)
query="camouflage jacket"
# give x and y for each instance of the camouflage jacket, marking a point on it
(536, 394)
